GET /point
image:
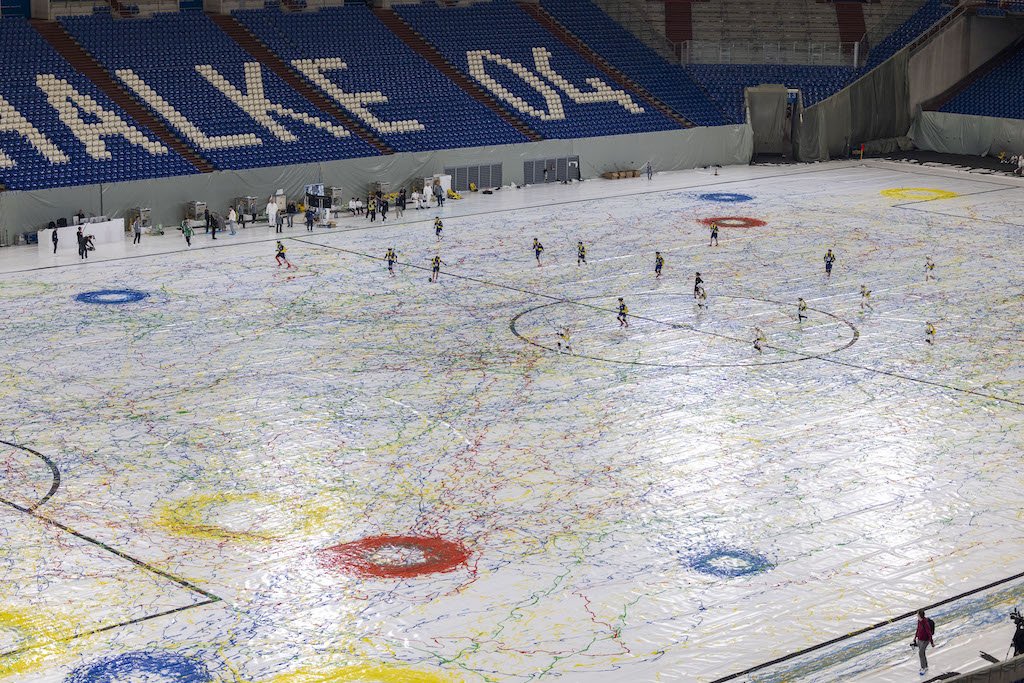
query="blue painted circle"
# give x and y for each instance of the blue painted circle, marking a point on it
(726, 197)
(730, 563)
(158, 667)
(111, 296)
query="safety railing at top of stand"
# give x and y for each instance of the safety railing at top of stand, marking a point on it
(632, 15)
(772, 52)
(65, 8)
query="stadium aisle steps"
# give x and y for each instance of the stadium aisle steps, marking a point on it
(407, 35)
(61, 41)
(538, 14)
(259, 51)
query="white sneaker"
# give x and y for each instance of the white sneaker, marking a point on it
(924, 671)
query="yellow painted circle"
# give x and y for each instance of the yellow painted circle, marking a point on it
(918, 193)
(362, 673)
(20, 630)
(246, 517)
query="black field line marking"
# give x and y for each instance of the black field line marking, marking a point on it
(806, 356)
(575, 302)
(866, 629)
(110, 549)
(85, 262)
(111, 627)
(54, 472)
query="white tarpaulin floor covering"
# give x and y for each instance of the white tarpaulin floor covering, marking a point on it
(216, 469)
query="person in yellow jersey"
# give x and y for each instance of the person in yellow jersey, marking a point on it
(801, 310)
(281, 257)
(391, 258)
(759, 340)
(438, 227)
(929, 333)
(623, 311)
(565, 339)
(537, 249)
(830, 258)
(659, 261)
(865, 299)
(929, 268)
(435, 266)
(714, 234)
(702, 300)
(581, 254)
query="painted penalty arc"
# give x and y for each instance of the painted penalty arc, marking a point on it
(803, 356)
(54, 473)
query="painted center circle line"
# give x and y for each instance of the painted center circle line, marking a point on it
(733, 222)
(395, 557)
(918, 193)
(580, 302)
(725, 197)
(111, 296)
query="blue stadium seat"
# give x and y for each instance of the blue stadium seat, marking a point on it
(670, 83)
(24, 55)
(163, 51)
(506, 32)
(376, 60)
(997, 93)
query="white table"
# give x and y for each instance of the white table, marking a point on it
(107, 232)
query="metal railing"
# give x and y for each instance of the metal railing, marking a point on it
(632, 16)
(772, 52)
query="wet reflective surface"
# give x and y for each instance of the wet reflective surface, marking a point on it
(324, 473)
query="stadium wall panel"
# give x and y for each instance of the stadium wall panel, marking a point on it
(669, 150)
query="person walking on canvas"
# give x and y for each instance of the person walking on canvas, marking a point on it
(923, 638)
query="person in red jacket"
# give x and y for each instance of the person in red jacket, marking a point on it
(923, 638)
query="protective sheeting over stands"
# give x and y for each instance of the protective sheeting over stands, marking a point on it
(377, 78)
(58, 129)
(223, 103)
(670, 83)
(531, 73)
(666, 150)
(873, 108)
(965, 134)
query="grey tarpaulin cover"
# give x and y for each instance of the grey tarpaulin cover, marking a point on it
(966, 134)
(872, 108)
(766, 105)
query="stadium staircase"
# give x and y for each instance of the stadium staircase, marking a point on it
(407, 35)
(259, 52)
(567, 37)
(61, 41)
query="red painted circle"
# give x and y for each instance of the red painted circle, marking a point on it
(733, 222)
(395, 557)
